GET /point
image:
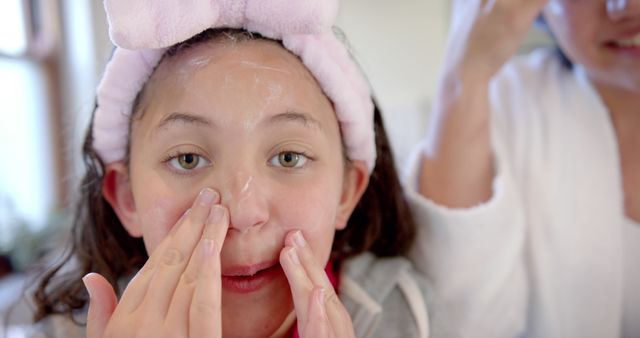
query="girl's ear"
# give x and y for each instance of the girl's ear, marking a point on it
(116, 189)
(356, 180)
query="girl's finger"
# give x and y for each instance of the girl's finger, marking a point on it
(342, 324)
(183, 295)
(217, 225)
(338, 316)
(308, 260)
(299, 282)
(102, 303)
(205, 309)
(171, 261)
(136, 290)
(318, 325)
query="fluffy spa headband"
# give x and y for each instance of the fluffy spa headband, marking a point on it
(142, 30)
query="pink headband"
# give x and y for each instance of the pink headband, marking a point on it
(143, 29)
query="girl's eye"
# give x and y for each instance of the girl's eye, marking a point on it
(289, 159)
(185, 162)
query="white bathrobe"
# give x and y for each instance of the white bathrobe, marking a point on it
(543, 257)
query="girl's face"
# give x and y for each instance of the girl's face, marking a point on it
(248, 120)
(603, 36)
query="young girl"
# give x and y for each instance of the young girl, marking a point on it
(532, 174)
(233, 187)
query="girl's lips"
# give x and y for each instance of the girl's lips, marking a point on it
(247, 270)
(246, 279)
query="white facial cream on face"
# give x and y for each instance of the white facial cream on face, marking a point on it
(236, 188)
(556, 8)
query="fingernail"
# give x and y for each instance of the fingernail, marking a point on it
(216, 214)
(209, 246)
(293, 255)
(298, 239)
(84, 281)
(206, 197)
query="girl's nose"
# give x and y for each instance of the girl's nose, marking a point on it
(246, 202)
(623, 9)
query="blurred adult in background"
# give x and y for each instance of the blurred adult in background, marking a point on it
(530, 174)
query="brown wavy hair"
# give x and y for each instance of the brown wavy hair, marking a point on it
(381, 222)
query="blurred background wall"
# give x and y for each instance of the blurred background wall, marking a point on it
(400, 45)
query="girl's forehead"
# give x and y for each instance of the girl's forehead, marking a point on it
(221, 59)
(254, 53)
(254, 79)
(222, 64)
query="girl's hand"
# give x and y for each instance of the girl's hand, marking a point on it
(486, 33)
(318, 309)
(177, 292)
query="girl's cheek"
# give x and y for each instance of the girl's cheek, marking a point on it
(312, 210)
(161, 216)
(315, 216)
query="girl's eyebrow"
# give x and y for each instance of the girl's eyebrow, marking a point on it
(184, 118)
(291, 116)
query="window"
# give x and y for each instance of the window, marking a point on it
(13, 33)
(27, 158)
